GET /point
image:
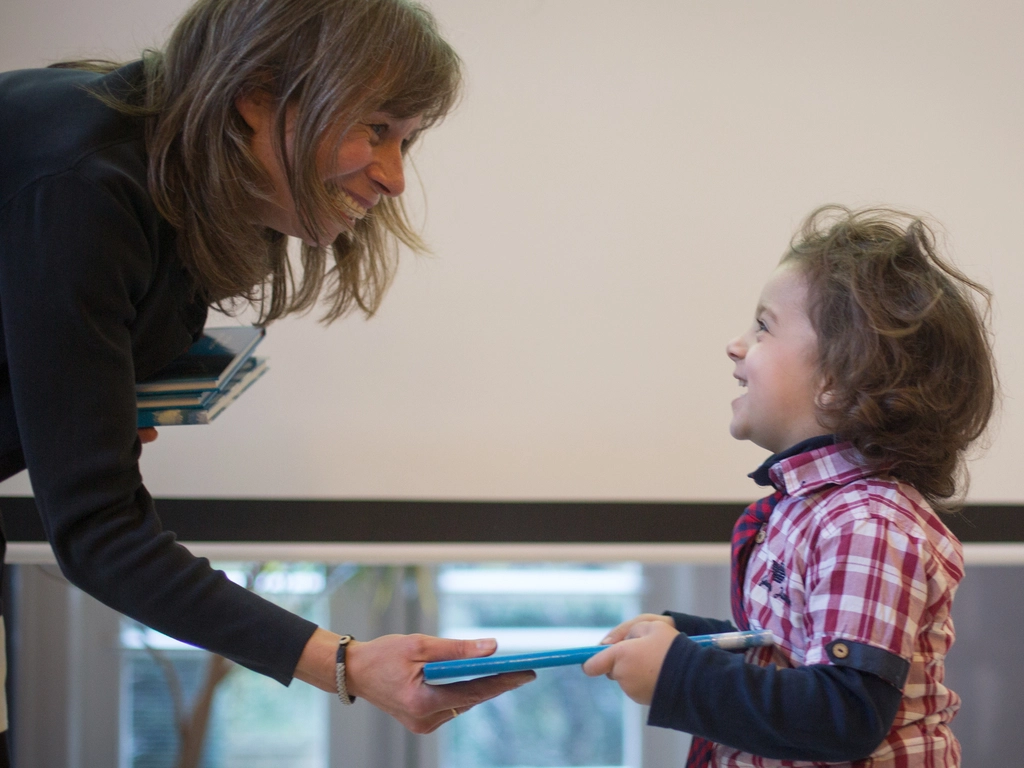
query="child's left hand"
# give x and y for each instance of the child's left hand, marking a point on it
(635, 662)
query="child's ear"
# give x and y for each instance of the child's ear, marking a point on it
(826, 396)
(824, 403)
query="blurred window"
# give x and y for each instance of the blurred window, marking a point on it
(254, 722)
(564, 719)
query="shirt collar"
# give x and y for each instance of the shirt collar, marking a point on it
(812, 464)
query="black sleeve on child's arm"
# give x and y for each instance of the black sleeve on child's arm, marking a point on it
(698, 625)
(818, 712)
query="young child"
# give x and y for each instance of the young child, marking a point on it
(867, 372)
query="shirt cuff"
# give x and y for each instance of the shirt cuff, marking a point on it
(869, 658)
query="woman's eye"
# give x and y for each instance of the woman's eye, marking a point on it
(379, 129)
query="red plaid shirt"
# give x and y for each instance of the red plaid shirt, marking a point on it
(854, 557)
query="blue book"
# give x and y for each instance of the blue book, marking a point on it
(250, 370)
(460, 669)
(208, 364)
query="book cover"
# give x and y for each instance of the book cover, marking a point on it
(443, 672)
(208, 364)
(250, 370)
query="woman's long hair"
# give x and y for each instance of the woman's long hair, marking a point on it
(331, 62)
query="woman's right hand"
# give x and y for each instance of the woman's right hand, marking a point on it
(388, 672)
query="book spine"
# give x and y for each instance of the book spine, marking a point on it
(170, 417)
(252, 369)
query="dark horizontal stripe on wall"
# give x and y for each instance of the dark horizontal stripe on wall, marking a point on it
(526, 522)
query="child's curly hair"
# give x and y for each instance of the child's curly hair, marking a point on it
(904, 352)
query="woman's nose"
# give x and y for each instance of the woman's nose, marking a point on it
(388, 171)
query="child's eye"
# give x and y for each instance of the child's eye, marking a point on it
(761, 325)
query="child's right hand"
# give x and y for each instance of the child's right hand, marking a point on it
(635, 662)
(622, 630)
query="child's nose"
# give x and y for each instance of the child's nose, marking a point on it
(736, 349)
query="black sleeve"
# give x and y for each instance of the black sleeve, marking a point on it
(814, 713)
(75, 260)
(698, 625)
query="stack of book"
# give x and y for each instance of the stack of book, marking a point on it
(199, 385)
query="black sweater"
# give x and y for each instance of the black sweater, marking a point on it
(94, 297)
(820, 712)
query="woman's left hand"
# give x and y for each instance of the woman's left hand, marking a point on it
(635, 661)
(147, 435)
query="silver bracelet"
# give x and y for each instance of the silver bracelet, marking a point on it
(339, 670)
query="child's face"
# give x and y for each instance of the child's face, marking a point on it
(776, 362)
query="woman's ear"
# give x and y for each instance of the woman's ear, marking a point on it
(256, 108)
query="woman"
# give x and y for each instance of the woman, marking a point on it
(132, 198)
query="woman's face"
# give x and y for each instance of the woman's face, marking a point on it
(363, 167)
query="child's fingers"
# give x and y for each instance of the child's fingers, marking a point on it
(601, 663)
(622, 631)
(643, 629)
(618, 633)
(635, 663)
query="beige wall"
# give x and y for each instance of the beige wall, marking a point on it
(603, 208)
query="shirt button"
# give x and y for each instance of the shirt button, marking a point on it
(840, 650)
(760, 537)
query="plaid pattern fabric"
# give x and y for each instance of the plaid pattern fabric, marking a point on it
(702, 752)
(863, 558)
(744, 538)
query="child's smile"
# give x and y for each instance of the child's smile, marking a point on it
(776, 363)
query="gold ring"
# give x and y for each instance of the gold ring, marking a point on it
(455, 713)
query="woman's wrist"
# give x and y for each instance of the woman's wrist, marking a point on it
(318, 662)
